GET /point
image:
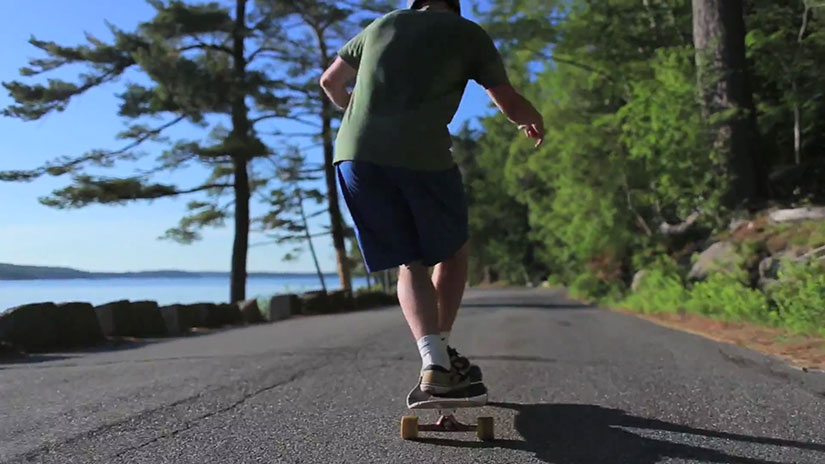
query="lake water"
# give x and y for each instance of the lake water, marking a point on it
(163, 290)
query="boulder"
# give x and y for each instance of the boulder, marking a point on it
(228, 314)
(315, 303)
(32, 327)
(9, 350)
(148, 320)
(77, 325)
(341, 301)
(279, 307)
(209, 314)
(191, 316)
(251, 312)
(171, 319)
(219, 315)
(116, 319)
(369, 299)
(720, 257)
(798, 214)
(769, 268)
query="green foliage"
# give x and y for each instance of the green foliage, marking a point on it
(786, 42)
(628, 152)
(593, 288)
(499, 231)
(800, 297)
(659, 291)
(725, 296)
(721, 296)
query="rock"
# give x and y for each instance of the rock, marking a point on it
(737, 224)
(116, 319)
(9, 350)
(341, 301)
(32, 327)
(637, 280)
(315, 303)
(219, 315)
(280, 307)
(171, 319)
(77, 325)
(368, 299)
(228, 314)
(250, 309)
(147, 319)
(721, 256)
(212, 319)
(769, 268)
(192, 316)
(798, 214)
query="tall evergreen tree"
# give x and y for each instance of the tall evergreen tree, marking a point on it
(719, 38)
(319, 28)
(203, 64)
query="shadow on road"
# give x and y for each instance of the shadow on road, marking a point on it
(586, 434)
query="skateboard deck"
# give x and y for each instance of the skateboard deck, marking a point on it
(474, 396)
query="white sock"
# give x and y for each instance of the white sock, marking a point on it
(445, 337)
(433, 351)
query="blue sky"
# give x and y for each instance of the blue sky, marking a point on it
(107, 238)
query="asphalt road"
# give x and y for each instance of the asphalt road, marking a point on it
(569, 384)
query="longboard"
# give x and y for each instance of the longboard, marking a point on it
(474, 396)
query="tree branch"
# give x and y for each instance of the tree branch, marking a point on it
(65, 166)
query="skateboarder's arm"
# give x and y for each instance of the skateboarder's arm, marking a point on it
(334, 81)
(518, 110)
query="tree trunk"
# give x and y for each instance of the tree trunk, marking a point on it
(240, 131)
(335, 219)
(241, 242)
(719, 37)
(309, 242)
(797, 116)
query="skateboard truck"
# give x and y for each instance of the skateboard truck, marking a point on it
(447, 422)
(473, 396)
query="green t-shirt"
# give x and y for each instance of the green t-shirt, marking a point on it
(413, 67)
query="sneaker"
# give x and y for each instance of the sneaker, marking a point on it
(464, 366)
(437, 381)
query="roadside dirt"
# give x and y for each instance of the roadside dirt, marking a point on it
(803, 351)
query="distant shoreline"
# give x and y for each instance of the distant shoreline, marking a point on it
(14, 272)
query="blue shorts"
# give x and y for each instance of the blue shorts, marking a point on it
(404, 216)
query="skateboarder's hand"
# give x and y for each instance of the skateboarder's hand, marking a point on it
(534, 131)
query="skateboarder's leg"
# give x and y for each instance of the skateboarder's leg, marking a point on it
(449, 280)
(418, 301)
(400, 221)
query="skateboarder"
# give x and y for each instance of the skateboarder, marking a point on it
(394, 162)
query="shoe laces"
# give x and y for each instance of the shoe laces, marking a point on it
(453, 353)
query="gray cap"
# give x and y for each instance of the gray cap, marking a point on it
(416, 4)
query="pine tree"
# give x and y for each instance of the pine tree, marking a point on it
(325, 25)
(205, 65)
(719, 38)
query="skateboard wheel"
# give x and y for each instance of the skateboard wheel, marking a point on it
(409, 427)
(485, 430)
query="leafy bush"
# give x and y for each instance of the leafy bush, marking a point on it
(590, 287)
(659, 291)
(800, 297)
(725, 296)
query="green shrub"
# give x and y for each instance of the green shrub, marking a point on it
(726, 297)
(800, 297)
(591, 288)
(659, 291)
